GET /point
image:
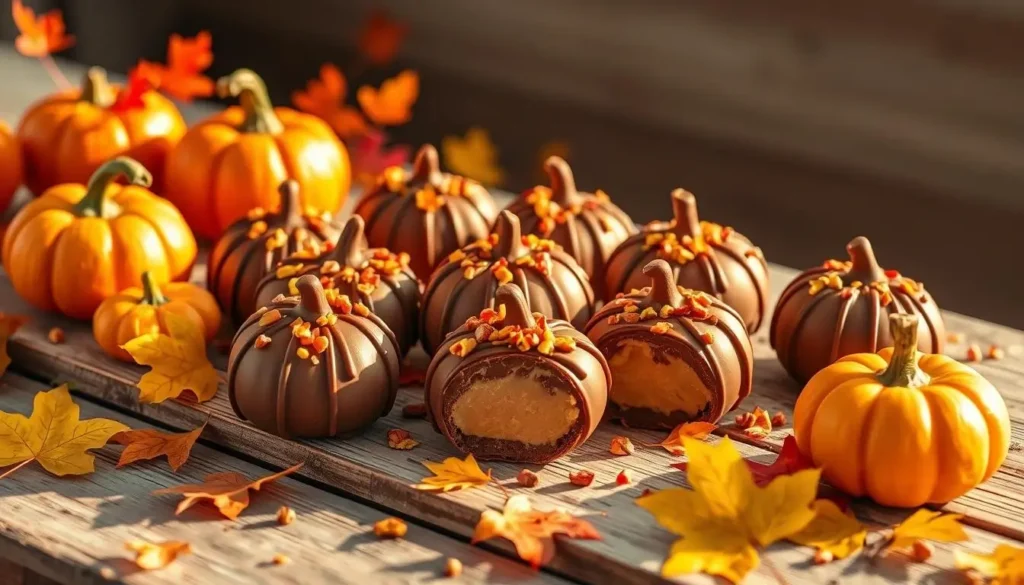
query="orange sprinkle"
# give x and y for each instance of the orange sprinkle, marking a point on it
(272, 316)
(995, 352)
(661, 328)
(262, 341)
(320, 343)
(707, 337)
(463, 347)
(303, 353)
(287, 270)
(257, 229)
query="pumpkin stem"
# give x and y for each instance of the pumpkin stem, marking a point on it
(96, 90)
(351, 246)
(663, 285)
(311, 296)
(684, 210)
(95, 197)
(865, 267)
(517, 312)
(151, 293)
(292, 209)
(252, 94)
(903, 370)
(563, 185)
(426, 167)
(510, 237)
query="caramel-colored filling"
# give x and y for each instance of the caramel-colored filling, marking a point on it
(517, 407)
(665, 385)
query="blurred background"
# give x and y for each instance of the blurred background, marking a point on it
(800, 123)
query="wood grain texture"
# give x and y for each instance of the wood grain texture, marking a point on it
(73, 530)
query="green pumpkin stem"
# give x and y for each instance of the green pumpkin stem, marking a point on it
(517, 311)
(151, 293)
(864, 267)
(95, 197)
(903, 370)
(96, 90)
(252, 94)
(684, 210)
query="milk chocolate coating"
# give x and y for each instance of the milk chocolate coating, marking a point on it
(564, 292)
(589, 227)
(582, 372)
(730, 268)
(395, 220)
(237, 261)
(395, 298)
(354, 382)
(724, 365)
(809, 330)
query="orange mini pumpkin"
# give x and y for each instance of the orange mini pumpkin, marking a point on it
(137, 311)
(235, 160)
(10, 166)
(77, 245)
(67, 136)
(902, 427)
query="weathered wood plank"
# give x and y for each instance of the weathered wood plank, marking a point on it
(72, 530)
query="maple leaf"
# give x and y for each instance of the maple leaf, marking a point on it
(182, 78)
(454, 474)
(473, 156)
(381, 38)
(39, 36)
(178, 362)
(1004, 565)
(369, 159)
(228, 491)
(53, 435)
(150, 556)
(324, 98)
(151, 443)
(531, 531)
(832, 530)
(130, 96)
(9, 324)
(727, 516)
(391, 105)
(673, 443)
(926, 525)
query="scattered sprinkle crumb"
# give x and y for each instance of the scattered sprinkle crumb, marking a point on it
(56, 335)
(823, 557)
(527, 478)
(582, 478)
(955, 337)
(285, 516)
(778, 419)
(280, 559)
(452, 568)
(390, 528)
(995, 352)
(624, 477)
(974, 353)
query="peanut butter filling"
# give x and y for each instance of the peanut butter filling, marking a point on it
(517, 407)
(665, 385)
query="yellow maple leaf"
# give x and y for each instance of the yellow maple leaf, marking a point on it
(454, 474)
(727, 516)
(178, 362)
(8, 325)
(927, 525)
(150, 556)
(473, 156)
(53, 435)
(1004, 565)
(832, 531)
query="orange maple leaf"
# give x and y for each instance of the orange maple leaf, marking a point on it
(8, 325)
(150, 444)
(39, 36)
(531, 531)
(228, 491)
(150, 556)
(182, 78)
(673, 443)
(454, 474)
(324, 97)
(381, 37)
(391, 105)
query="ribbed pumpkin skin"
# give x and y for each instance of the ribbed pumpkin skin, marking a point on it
(10, 166)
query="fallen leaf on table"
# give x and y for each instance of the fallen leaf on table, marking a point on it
(727, 516)
(53, 435)
(789, 461)
(832, 531)
(9, 324)
(381, 37)
(150, 443)
(401, 440)
(756, 424)
(1004, 565)
(182, 77)
(324, 98)
(228, 491)
(454, 474)
(673, 443)
(473, 156)
(150, 556)
(391, 105)
(531, 531)
(927, 525)
(39, 36)
(178, 362)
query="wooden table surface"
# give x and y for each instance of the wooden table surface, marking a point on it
(73, 530)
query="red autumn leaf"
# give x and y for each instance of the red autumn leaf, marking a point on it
(324, 97)
(370, 157)
(130, 96)
(789, 461)
(182, 77)
(39, 36)
(381, 38)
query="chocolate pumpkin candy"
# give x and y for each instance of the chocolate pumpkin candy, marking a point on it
(704, 256)
(10, 166)
(79, 244)
(676, 355)
(138, 311)
(234, 161)
(301, 368)
(554, 284)
(374, 277)
(67, 136)
(902, 427)
(516, 386)
(587, 225)
(426, 213)
(253, 246)
(841, 308)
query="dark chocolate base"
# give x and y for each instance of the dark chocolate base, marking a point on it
(646, 418)
(488, 449)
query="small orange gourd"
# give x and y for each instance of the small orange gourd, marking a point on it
(137, 311)
(10, 166)
(79, 244)
(235, 160)
(902, 427)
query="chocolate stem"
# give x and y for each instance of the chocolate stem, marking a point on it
(151, 294)
(291, 203)
(684, 210)
(426, 168)
(517, 312)
(865, 267)
(663, 285)
(96, 90)
(903, 370)
(311, 296)
(351, 246)
(510, 238)
(255, 101)
(92, 203)
(563, 185)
